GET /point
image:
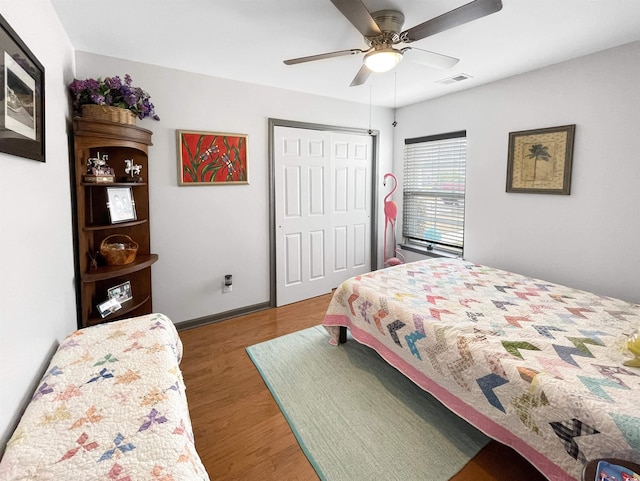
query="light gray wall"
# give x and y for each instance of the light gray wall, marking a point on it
(37, 300)
(202, 233)
(587, 240)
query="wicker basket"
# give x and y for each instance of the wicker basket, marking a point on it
(118, 250)
(108, 113)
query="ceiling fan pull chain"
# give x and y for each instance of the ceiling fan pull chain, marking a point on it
(395, 97)
(370, 131)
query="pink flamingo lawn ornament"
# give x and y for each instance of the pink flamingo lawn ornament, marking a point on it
(390, 215)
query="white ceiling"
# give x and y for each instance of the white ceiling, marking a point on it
(247, 40)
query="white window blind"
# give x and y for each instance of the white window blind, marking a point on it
(434, 188)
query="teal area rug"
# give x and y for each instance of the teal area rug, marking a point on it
(357, 418)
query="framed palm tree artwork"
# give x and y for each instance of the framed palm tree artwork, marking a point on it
(540, 160)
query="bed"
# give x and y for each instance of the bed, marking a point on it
(111, 406)
(535, 365)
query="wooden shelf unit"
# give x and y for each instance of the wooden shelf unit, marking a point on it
(93, 138)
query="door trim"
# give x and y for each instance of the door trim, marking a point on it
(375, 134)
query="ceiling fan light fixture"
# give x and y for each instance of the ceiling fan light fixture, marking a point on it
(382, 60)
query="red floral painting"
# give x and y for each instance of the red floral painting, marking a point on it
(212, 158)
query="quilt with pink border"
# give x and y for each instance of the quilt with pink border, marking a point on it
(533, 364)
(111, 406)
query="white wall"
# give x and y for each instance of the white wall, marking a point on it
(202, 233)
(37, 300)
(587, 240)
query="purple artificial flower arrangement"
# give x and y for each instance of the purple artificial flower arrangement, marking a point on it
(112, 91)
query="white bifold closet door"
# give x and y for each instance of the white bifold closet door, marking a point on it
(323, 210)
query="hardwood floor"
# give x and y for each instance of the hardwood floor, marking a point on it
(239, 430)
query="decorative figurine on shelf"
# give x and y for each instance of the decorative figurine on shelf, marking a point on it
(93, 261)
(98, 165)
(133, 171)
(98, 171)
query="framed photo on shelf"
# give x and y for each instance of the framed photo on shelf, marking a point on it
(540, 160)
(121, 205)
(21, 99)
(108, 307)
(212, 158)
(121, 292)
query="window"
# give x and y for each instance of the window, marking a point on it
(434, 188)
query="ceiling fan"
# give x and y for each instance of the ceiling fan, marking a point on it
(382, 31)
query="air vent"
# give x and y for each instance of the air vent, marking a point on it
(455, 79)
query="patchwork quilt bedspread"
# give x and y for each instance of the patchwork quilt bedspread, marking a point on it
(535, 365)
(111, 406)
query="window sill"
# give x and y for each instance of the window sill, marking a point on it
(429, 252)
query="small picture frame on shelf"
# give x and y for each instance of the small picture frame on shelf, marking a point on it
(121, 292)
(108, 307)
(121, 205)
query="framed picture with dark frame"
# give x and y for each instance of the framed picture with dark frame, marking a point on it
(21, 98)
(121, 205)
(540, 160)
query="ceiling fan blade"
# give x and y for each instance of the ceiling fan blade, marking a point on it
(361, 77)
(461, 15)
(431, 59)
(359, 16)
(321, 56)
